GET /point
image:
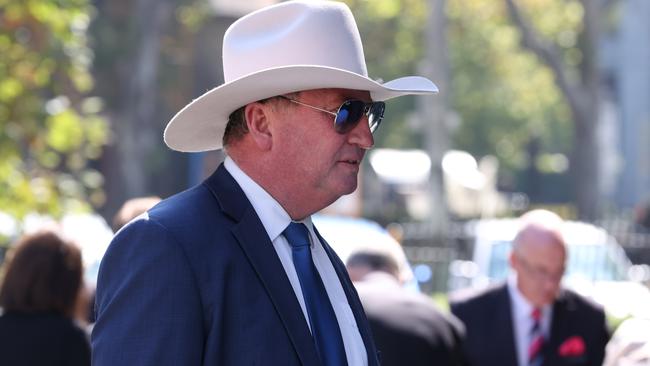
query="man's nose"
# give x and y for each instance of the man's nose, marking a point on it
(361, 136)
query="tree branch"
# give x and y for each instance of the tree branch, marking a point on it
(546, 52)
(589, 41)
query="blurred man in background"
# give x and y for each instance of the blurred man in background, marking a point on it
(531, 320)
(408, 327)
(131, 209)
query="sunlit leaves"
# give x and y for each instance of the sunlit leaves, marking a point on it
(503, 94)
(385, 9)
(553, 17)
(192, 16)
(10, 88)
(64, 131)
(47, 136)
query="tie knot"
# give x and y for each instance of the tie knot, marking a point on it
(536, 314)
(297, 235)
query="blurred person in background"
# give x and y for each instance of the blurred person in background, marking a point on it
(531, 320)
(232, 271)
(642, 216)
(41, 295)
(630, 344)
(131, 209)
(408, 327)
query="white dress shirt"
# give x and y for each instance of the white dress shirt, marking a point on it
(275, 219)
(522, 321)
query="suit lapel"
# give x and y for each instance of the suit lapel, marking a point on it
(353, 301)
(560, 325)
(507, 335)
(257, 247)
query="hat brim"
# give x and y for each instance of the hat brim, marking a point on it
(201, 124)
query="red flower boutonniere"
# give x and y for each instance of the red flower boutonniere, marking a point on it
(572, 347)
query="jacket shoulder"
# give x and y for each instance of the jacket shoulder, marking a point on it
(472, 297)
(574, 301)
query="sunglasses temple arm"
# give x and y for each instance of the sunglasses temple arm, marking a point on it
(312, 107)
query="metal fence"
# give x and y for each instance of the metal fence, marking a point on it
(431, 256)
(635, 240)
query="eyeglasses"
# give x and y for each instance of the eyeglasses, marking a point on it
(540, 274)
(350, 113)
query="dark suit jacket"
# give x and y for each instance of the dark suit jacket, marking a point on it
(199, 283)
(490, 335)
(408, 328)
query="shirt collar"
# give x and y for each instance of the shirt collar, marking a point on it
(272, 215)
(522, 308)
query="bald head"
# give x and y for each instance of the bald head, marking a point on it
(539, 256)
(131, 209)
(363, 262)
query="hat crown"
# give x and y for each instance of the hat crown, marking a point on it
(317, 33)
(291, 46)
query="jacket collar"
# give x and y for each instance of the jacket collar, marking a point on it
(256, 245)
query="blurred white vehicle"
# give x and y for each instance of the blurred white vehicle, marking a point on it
(348, 234)
(597, 266)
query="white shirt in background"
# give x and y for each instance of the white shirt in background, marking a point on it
(522, 321)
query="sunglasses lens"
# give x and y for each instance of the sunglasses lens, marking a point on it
(341, 118)
(351, 112)
(375, 115)
(348, 115)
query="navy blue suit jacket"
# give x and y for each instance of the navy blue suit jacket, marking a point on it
(198, 282)
(490, 337)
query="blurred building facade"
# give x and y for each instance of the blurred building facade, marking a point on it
(627, 60)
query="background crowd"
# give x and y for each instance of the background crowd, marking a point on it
(47, 305)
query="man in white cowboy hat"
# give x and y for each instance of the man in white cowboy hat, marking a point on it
(232, 271)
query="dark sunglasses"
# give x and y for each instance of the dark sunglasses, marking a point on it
(350, 113)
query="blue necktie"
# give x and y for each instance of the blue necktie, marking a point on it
(324, 326)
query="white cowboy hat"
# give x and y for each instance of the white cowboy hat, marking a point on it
(283, 48)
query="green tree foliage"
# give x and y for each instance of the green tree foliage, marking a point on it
(503, 94)
(50, 130)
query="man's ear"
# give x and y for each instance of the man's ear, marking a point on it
(258, 122)
(512, 259)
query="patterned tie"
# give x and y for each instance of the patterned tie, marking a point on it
(324, 326)
(535, 356)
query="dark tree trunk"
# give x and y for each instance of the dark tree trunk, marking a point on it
(128, 37)
(582, 96)
(434, 110)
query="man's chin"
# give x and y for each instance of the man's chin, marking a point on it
(344, 191)
(350, 189)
